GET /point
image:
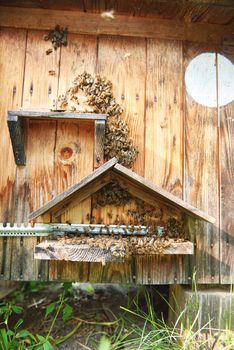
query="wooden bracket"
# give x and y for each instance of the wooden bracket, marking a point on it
(17, 139)
(15, 126)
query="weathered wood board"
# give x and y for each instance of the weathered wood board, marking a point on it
(54, 250)
(164, 115)
(178, 150)
(90, 23)
(227, 194)
(201, 176)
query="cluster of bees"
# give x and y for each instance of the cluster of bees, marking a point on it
(111, 194)
(123, 246)
(175, 228)
(57, 36)
(99, 99)
(140, 212)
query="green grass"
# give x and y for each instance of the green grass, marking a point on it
(139, 329)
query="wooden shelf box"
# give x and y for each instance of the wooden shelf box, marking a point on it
(15, 121)
(132, 183)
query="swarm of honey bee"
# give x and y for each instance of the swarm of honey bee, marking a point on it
(57, 36)
(174, 228)
(139, 213)
(96, 93)
(123, 246)
(111, 194)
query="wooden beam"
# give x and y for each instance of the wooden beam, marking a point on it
(47, 114)
(91, 23)
(73, 5)
(55, 250)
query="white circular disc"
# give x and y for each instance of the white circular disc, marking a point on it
(200, 79)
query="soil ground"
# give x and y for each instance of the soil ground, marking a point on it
(93, 304)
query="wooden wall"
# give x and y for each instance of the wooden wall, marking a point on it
(182, 149)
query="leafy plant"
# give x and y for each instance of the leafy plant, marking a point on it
(21, 339)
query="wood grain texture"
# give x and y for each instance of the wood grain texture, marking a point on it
(117, 58)
(166, 269)
(70, 192)
(149, 188)
(213, 11)
(135, 184)
(26, 189)
(99, 141)
(12, 48)
(201, 177)
(48, 114)
(126, 57)
(164, 115)
(40, 88)
(73, 153)
(79, 56)
(91, 23)
(227, 193)
(53, 250)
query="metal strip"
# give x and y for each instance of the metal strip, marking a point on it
(60, 229)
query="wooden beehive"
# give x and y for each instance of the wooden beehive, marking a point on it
(184, 148)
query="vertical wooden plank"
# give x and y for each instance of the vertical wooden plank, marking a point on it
(40, 88)
(74, 141)
(7, 257)
(122, 60)
(164, 145)
(162, 270)
(99, 140)
(78, 56)
(164, 115)
(12, 48)
(16, 261)
(227, 193)
(201, 177)
(73, 152)
(40, 162)
(69, 271)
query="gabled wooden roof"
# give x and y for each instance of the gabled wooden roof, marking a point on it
(136, 185)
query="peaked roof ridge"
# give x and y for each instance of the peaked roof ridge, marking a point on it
(138, 182)
(73, 189)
